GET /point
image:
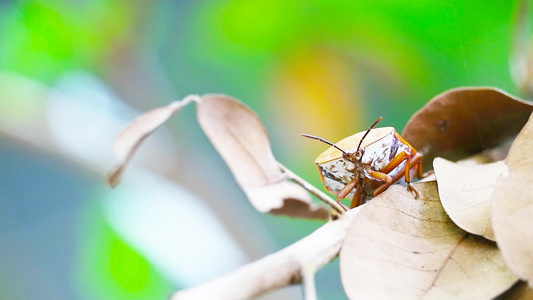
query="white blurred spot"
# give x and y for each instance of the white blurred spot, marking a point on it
(173, 229)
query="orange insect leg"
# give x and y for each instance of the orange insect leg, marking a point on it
(395, 162)
(405, 171)
(411, 163)
(345, 191)
(359, 196)
(382, 177)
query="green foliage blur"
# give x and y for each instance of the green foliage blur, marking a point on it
(322, 67)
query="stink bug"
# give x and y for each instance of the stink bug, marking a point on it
(367, 163)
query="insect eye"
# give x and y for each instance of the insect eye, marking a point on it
(359, 154)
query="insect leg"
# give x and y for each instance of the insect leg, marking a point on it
(415, 156)
(405, 171)
(348, 188)
(359, 196)
(395, 162)
(381, 177)
(408, 166)
(417, 163)
(420, 172)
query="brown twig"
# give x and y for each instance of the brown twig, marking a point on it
(279, 269)
(312, 189)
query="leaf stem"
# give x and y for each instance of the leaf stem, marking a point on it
(177, 105)
(308, 281)
(312, 189)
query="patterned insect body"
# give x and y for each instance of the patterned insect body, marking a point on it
(381, 146)
(367, 163)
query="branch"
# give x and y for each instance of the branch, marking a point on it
(282, 268)
(312, 189)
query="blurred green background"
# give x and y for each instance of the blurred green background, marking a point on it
(74, 73)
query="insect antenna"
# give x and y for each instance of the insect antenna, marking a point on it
(367, 132)
(323, 140)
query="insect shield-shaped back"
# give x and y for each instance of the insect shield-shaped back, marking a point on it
(381, 146)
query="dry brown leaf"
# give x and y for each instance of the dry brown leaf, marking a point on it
(241, 139)
(400, 247)
(512, 212)
(464, 121)
(466, 193)
(129, 140)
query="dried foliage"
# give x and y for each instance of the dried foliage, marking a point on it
(241, 139)
(466, 192)
(437, 246)
(406, 248)
(461, 122)
(129, 140)
(513, 207)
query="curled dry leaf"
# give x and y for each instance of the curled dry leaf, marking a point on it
(129, 140)
(464, 121)
(512, 211)
(241, 139)
(466, 193)
(400, 247)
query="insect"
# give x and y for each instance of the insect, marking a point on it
(381, 158)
